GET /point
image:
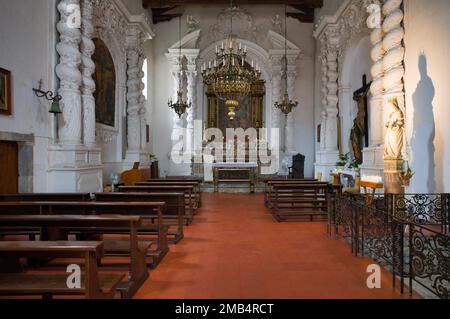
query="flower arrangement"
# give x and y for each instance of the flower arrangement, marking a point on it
(343, 160)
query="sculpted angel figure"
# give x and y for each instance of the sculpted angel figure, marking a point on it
(393, 144)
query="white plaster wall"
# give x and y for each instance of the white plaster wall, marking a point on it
(167, 34)
(427, 77)
(357, 62)
(27, 37)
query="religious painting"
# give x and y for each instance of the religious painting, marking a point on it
(5, 92)
(105, 81)
(243, 117)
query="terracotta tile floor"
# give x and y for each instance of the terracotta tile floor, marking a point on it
(235, 249)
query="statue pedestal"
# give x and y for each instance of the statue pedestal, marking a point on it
(392, 181)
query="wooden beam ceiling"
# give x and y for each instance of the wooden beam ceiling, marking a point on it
(303, 9)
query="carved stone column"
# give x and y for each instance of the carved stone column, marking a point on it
(88, 68)
(331, 140)
(290, 121)
(394, 71)
(191, 112)
(68, 73)
(324, 102)
(142, 102)
(73, 167)
(277, 90)
(134, 90)
(376, 89)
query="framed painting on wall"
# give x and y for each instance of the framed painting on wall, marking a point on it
(5, 92)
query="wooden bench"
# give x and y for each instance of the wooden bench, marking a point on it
(93, 284)
(195, 182)
(32, 232)
(54, 227)
(268, 183)
(172, 215)
(149, 209)
(300, 201)
(190, 201)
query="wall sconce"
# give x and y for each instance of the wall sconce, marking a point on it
(49, 96)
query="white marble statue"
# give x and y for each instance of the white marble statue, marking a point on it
(192, 24)
(393, 144)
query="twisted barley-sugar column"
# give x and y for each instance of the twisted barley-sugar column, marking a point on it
(192, 98)
(88, 68)
(332, 99)
(394, 71)
(376, 89)
(134, 90)
(290, 120)
(69, 74)
(324, 103)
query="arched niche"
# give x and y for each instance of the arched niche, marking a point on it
(356, 62)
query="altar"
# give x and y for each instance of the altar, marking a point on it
(232, 172)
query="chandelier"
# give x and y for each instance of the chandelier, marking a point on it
(228, 76)
(179, 106)
(286, 105)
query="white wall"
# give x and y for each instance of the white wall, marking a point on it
(27, 37)
(167, 34)
(427, 81)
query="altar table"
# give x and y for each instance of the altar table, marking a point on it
(249, 168)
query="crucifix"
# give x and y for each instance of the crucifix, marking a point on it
(360, 127)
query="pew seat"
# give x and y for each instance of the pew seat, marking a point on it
(93, 284)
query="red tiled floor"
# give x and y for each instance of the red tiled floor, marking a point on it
(235, 249)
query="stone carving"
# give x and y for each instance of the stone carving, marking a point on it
(192, 24)
(69, 75)
(243, 25)
(134, 86)
(393, 144)
(277, 24)
(88, 67)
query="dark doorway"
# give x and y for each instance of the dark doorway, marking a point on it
(9, 172)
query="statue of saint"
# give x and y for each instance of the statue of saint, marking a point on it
(393, 144)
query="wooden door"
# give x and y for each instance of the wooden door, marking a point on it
(9, 168)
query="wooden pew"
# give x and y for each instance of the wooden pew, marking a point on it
(298, 201)
(190, 203)
(60, 197)
(143, 209)
(93, 284)
(54, 227)
(196, 187)
(172, 215)
(197, 183)
(268, 183)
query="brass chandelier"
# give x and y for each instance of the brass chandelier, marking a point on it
(286, 105)
(228, 76)
(180, 106)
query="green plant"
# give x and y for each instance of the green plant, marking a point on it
(343, 159)
(354, 164)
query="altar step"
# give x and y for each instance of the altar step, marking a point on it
(232, 188)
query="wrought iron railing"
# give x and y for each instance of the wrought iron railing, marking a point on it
(407, 234)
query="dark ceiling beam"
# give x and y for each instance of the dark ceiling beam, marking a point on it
(304, 9)
(165, 3)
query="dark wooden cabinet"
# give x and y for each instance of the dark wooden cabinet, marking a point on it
(9, 172)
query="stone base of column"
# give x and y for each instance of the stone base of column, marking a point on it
(181, 169)
(326, 163)
(373, 162)
(392, 180)
(74, 169)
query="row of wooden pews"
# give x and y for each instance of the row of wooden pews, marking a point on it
(297, 199)
(100, 231)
